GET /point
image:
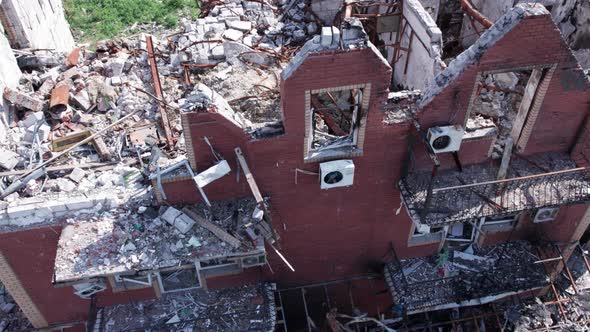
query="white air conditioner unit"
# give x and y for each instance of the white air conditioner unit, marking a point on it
(86, 290)
(546, 214)
(445, 139)
(337, 173)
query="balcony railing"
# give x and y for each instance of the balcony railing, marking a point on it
(509, 269)
(439, 206)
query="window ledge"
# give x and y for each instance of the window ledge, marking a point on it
(342, 152)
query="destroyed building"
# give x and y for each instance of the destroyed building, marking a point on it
(276, 165)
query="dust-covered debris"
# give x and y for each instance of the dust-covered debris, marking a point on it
(449, 204)
(144, 238)
(12, 317)
(455, 278)
(401, 106)
(245, 308)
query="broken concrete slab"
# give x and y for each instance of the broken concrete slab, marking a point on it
(183, 223)
(170, 215)
(232, 34)
(77, 174)
(22, 100)
(8, 159)
(243, 26)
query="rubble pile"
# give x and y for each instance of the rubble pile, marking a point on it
(401, 106)
(144, 238)
(498, 98)
(11, 316)
(460, 276)
(245, 308)
(227, 62)
(463, 204)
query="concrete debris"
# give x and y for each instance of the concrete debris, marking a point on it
(460, 278)
(11, 316)
(126, 240)
(245, 308)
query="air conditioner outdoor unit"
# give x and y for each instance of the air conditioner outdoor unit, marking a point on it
(337, 173)
(86, 290)
(445, 139)
(546, 214)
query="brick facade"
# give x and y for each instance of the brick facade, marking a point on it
(342, 232)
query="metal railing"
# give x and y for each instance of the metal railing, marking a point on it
(466, 285)
(441, 206)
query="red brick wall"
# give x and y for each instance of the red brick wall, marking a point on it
(566, 101)
(326, 234)
(31, 254)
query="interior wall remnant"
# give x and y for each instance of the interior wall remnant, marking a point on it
(416, 67)
(37, 24)
(493, 10)
(9, 76)
(432, 7)
(326, 10)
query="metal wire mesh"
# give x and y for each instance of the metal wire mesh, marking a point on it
(467, 202)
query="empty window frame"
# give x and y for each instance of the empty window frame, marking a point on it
(252, 261)
(425, 236)
(179, 279)
(499, 223)
(124, 282)
(463, 232)
(335, 120)
(219, 267)
(511, 99)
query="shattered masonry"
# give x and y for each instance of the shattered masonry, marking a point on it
(216, 176)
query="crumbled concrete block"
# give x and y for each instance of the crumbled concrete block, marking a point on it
(183, 223)
(170, 215)
(43, 132)
(232, 34)
(81, 100)
(45, 88)
(77, 174)
(217, 53)
(79, 203)
(22, 100)
(8, 159)
(7, 307)
(20, 211)
(69, 74)
(43, 211)
(65, 185)
(239, 25)
(32, 119)
(116, 80)
(116, 65)
(56, 206)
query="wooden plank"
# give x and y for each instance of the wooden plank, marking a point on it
(505, 159)
(20, 295)
(217, 231)
(249, 176)
(101, 148)
(63, 143)
(525, 104)
(535, 108)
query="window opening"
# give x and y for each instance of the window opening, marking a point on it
(335, 118)
(180, 279)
